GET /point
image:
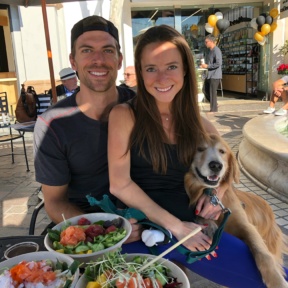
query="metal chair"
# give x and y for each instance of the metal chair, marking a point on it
(220, 88)
(6, 125)
(36, 210)
(45, 102)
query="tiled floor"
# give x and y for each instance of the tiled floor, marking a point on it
(18, 189)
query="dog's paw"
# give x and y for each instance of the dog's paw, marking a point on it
(210, 229)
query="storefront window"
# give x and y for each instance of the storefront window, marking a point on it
(142, 20)
(191, 23)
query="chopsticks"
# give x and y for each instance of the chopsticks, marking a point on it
(195, 231)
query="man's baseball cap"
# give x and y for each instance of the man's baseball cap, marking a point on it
(92, 23)
(67, 73)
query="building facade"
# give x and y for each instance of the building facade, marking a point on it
(24, 54)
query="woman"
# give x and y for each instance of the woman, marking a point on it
(151, 144)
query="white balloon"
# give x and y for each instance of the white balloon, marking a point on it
(219, 15)
(209, 28)
(254, 24)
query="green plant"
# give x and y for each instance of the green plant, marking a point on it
(284, 48)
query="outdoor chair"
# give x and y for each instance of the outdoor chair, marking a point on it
(45, 103)
(35, 213)
(6, 134)
(36, 210)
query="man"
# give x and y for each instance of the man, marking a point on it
(69, 83)
(130, 79)
(214, 72)
(70, 139)
(279, 91)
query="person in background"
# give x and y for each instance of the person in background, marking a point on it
(214, 75)
(279, 91)
(69, 84)
(130, 79)
(70, 139)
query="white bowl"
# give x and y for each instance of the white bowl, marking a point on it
(176, 271)
(92, 217)
(38, 256)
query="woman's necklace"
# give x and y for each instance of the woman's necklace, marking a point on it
(166, 117)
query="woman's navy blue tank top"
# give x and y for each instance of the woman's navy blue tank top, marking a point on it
(166, 190)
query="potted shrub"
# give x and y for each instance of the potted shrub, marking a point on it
(283, 50)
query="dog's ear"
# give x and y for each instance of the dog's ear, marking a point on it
(233, 169)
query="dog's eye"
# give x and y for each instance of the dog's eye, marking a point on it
(201, 149)
(221, 151)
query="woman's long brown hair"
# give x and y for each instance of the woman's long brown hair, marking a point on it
(185, 112)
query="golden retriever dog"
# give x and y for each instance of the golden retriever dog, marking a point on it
(252, 219)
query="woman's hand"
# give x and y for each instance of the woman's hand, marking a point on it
(205, 209)
(136, 231)
(198, 242)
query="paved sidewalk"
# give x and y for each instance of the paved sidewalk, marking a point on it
(18, 189)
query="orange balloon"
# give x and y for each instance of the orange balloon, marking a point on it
(265, 29)
(212, 19)
(273, 26)
(258, 37)
(274, 12)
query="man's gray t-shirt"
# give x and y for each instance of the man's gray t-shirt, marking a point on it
(71, 148)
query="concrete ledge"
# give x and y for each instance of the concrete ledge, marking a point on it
(263, 153)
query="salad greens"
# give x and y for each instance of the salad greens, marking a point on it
(112, 270)
(87, 237)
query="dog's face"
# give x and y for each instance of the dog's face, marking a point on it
(212, 162)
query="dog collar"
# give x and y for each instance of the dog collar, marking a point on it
(210, 191)
(214, 200)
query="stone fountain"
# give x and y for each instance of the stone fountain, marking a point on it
(263, 154)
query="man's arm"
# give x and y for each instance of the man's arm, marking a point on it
(57, 203)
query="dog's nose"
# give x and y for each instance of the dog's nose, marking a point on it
(215, 166)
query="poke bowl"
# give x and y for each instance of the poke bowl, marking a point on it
(88, 236)
(47, 269)
(121, 270)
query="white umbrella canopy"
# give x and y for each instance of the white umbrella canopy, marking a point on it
(43, 4)
(27, 3)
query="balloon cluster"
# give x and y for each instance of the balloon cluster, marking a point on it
(216, 24)
(264, 24)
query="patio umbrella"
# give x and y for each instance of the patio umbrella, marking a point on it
(43, 3)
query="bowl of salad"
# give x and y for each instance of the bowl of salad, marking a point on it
(88, 236)
(116, 270)
(39, 269)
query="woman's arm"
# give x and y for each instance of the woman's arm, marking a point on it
(121, 121)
